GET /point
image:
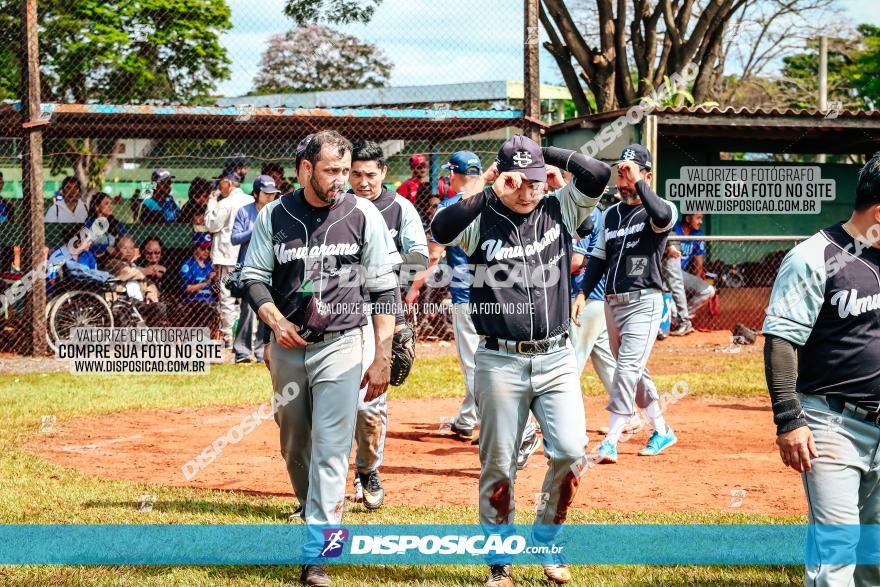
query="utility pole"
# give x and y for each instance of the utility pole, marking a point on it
(34, 241)
(531, 74)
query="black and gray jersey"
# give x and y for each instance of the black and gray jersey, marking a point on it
(521, 286)
(403, 222)
(632, 247)
(826, 301)
(330, 257)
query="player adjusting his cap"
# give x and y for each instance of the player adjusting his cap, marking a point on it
(628, 252)
(368, 171)
(308, 252)
(520, 243)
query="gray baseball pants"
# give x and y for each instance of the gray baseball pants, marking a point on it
(372, 417)
(590, 341)
(508, 385)
(689, 292)
(633, 321)
(317, 419)
(843, 489)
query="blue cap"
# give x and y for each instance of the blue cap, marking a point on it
(264, 183)
(465, 163)
(230, 175)
(202, 238)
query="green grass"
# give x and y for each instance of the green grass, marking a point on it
(32, 491)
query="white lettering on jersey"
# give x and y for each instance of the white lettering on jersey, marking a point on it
(494, 250)
(393, 232)
(285, 255)
(850, 304)
(611, 234)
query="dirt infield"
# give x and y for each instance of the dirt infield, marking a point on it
(725, 447)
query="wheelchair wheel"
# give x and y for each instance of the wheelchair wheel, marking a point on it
(76, 309)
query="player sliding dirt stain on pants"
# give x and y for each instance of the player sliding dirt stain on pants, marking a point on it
(523, 239)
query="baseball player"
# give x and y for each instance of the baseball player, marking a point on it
(305, 248)
(822, 361)
(467, 178)
(689, 290)
(368, 171)
(520, 241)
(631, 243)
(219, 219)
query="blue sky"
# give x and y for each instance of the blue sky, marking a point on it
(429, 42)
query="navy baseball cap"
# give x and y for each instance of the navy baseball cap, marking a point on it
(639, 154)
(465, 163)
(202, 239)
(264, 183)
(301, 148)
(520, 153)
(161, 174)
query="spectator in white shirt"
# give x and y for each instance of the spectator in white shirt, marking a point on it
(70, 208)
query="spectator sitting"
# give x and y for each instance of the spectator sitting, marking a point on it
(150, 263)
(245, 343)
(689, 291)
(198, 278)
(160, 207)
(193, 212)
(106, 233)
(75, 258)
(418, 166)
(276, 172)
(123, 267)
(68, 207)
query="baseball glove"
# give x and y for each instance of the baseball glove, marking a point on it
(403, 354)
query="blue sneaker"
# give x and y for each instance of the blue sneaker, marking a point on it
(658, 443)
(607, 453)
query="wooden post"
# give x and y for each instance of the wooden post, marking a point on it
(531, 74)
(34, 238)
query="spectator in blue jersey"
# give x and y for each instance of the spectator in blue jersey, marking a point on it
(7, 212)
(75, 260)
(160, 207)
(106, 229)
(249, 337)
(683, 273)
(198, 280)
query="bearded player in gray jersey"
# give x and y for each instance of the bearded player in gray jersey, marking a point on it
(628, 253)
(302, 269)
(520, 244)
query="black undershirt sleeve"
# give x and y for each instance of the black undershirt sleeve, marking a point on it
(658, 210)
(383, 302)
(593, 272)
(417, 259)
(452, 220)
(780, 369)
(590, 175)
(258, 294)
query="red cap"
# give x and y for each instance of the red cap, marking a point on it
(418, 159)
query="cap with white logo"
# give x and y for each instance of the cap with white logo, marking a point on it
(520, 153)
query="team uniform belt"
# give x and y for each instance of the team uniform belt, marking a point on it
(312, 337)
(844, 407)
(630, 296)
(527, 347)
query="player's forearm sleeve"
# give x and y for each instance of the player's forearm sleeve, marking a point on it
(780, 370)
(382, 302)
(593, 272)
(590, 175)
(451, 221)
(660, 211)
(258, 294)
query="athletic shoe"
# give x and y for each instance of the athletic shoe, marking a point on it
(633, 425)
(527, 448)
(683, 329)
(358, 496)
(240, 360)
(299, 515)
(607, 453)
(466, 433)
(315, 576)
(374, 495)
(500, 576)
(557, 573)
(657, 443)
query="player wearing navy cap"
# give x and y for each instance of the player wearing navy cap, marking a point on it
(520, 243)
(822, 361)
(628, 253)
(368, 171)
(316, 255)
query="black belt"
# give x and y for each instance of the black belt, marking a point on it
(841, 406)
(527, 347)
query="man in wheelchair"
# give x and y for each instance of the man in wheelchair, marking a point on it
(76, 261)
